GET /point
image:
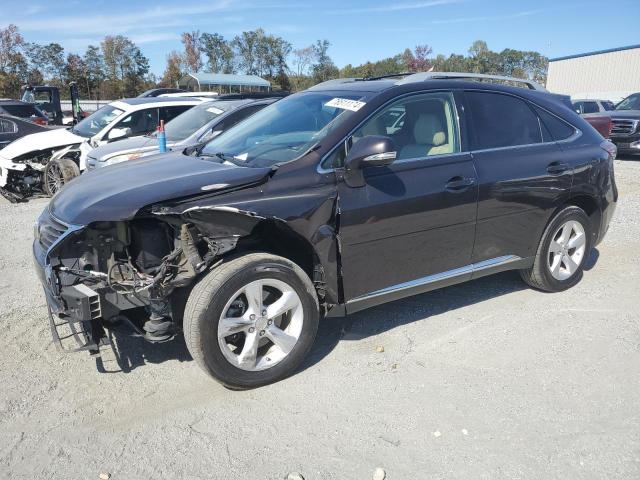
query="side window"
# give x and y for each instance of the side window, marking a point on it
(556, 128)
(140, 122)
(502, 121)
(237, 117)
(590, 107)
(7, 126)
(608, 106)
(169, 113)
(421, 125)
(577, 107)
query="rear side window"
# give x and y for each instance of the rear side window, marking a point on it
(553, 126)
(7, 126)
(501, 121)
(608, 106)
(237, 117)
(590, 107)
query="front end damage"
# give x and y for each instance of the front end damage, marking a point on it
(94, 274)
(23, 177)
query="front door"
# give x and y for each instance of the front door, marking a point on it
(415, 218)
(523, 175)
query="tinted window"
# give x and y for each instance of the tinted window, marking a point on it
(169, 113)
(502, 121)
(557, 129)
(237, 117)
(577, 107)
(590, 107)
(23, 111)
(607, 105)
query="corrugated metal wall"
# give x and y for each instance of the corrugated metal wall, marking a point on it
(609, 76)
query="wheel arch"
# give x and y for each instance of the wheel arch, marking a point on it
(591, 207)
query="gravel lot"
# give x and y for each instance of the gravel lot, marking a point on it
(483, 380)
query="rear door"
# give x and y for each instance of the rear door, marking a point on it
(523, 175)
(415, 218)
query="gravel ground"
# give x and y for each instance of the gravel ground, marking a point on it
(484, 380)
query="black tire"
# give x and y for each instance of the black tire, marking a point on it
(211, 294)
(539, 276)
(57, 173)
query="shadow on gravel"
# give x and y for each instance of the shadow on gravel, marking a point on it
(418, 308)
(130, 352)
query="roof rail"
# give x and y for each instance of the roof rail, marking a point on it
(335, 81)
(420, 77)
(390, 75)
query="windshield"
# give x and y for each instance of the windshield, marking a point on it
(188, 122)
(632, 102)
(285, 129)
(97, 121)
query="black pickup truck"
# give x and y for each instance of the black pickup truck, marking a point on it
(625, 132)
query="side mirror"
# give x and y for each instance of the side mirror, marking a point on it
(118, 133)
(370, 151)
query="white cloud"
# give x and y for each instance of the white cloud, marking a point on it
(397, 7)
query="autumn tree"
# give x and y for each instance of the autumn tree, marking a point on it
(192, 48)
(173, 70)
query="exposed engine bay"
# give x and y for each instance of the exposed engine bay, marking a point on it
(111, 267)
(24, 176)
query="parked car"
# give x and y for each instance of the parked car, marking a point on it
(625, 132)
(155, 92)
(321, 205)
(582, 106)
(27, 111)
(602, 122)
(12, 128)
(57, 156)
(192, 128)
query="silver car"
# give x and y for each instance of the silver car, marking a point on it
(194, 127)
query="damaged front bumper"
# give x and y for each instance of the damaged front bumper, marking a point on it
(74, 310)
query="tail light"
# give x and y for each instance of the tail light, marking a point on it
(610, 148)
(40, 121)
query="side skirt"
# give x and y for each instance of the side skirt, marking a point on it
(433, 282)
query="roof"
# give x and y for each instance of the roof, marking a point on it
(597, 52)
(226, 79)
(145, 100)
(8, 101)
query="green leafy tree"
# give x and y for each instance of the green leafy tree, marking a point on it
(219, 53)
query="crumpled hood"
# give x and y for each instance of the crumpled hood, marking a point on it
(119, 191)
(57, 137)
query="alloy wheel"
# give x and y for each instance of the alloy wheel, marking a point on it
(566, 250)
(54, 178)
(260, 324)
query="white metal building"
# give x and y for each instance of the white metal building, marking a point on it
(606, 74)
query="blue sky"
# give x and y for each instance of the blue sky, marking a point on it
(358, 30)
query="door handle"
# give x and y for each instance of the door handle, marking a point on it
(459, 184)
(556, 168)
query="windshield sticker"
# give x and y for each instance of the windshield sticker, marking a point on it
(215, 110)
(345, 104)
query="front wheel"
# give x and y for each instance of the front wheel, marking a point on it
(562, 251)
(251, 321)
(57, 173)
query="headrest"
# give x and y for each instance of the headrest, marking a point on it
(428, 130)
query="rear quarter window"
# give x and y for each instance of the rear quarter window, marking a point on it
(556, 128)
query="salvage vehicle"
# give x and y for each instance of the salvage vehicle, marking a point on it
(321, 205)
(189, 130)
(625, 132)
(43, 162)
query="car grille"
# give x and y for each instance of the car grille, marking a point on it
(50, 230)
(624, 127)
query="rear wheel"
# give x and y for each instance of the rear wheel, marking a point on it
(251, 321)
(57, 173)
(563, 249)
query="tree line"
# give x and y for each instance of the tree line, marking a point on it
(116, 67)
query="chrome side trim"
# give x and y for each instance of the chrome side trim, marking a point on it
(456, 272)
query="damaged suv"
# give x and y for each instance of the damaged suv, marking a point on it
(348, 195)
